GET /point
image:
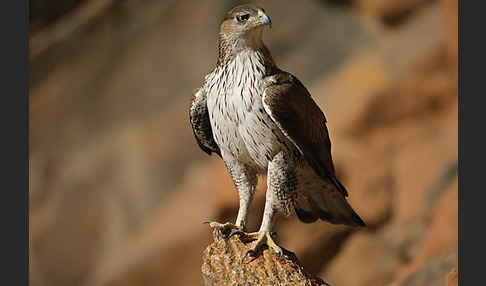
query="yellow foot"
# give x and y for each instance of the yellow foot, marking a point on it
(223, 228)
(262, 238)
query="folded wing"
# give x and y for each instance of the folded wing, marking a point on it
(201, 126)
(292, 108)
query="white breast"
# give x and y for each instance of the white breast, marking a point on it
(241, 127)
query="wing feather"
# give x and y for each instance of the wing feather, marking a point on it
(292, 108)
(200, 123)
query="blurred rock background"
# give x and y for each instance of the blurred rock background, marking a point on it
(119, 187)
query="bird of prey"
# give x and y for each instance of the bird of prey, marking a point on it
(262, 120)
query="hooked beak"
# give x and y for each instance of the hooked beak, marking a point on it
(263, 19)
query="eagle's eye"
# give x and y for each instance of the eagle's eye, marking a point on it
(242, 18)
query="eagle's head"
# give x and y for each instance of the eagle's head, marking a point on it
(242, 27)
(245, 19)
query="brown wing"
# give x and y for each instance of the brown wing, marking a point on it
(201, 126)
(292, 108)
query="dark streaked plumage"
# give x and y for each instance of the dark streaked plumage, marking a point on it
(201, 126)
(290, 105)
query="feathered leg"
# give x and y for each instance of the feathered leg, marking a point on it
(281, 182)
(245, 180)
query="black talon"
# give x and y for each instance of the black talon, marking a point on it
(246, 254)
(235, 233)
(221, 231)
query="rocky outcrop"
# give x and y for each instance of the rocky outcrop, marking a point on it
(223, 265)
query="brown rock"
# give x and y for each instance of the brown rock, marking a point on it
(425, 91)
(441, 234)
(316, 244)
(371, 185)
(365, 259)
(450, 8)
(431, 274)
(388, 9)
(222, 266)
(452, 277)
(148, 257)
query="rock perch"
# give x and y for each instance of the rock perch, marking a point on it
(222, 265)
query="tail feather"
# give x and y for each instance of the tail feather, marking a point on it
(306, 216)
(328, 204)
(339, 186)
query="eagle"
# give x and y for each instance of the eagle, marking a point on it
(260, 119)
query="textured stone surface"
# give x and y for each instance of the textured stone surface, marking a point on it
(433, 273)
(222, 265)
(452, 277)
